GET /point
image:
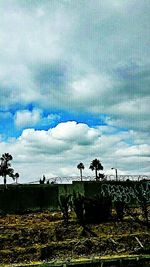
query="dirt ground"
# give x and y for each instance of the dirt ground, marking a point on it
(43, 236)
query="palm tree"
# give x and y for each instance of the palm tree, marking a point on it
(96, 165)
(5, 168)
(80, 166)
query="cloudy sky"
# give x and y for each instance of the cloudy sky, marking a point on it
(74, 85)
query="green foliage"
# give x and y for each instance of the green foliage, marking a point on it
(5, 168)
(78, 205)
(96, 166)
(97, 209)
(80, 166)
(144, 204)
(64, 202)
(93, 210)
(119, 206)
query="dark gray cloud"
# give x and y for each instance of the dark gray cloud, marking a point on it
(47, 75)
(62, 43)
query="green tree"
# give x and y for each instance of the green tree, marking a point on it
(96, 166)
(5, 168)
(80, 166)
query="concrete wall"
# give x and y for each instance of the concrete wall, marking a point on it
(28, 197)
(18, 198)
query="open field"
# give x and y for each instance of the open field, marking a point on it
(43, 236)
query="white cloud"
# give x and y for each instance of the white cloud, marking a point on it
(134, 106)
(50, 119)
(72, 132)
(142, 150)
(27, 118)
(57, 151)
(91, 86)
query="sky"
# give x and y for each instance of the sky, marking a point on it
(74, 86)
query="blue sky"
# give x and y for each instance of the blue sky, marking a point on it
(74, 85)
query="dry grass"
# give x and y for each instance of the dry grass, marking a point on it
(42, 236)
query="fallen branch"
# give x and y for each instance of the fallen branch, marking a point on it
(139, 242)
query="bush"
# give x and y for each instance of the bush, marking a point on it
(92, 210)
(64, 203)
(120, 208)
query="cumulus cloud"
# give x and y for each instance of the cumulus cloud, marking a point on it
(57, 151)
(71, 131)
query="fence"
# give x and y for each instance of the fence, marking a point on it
(70, 179)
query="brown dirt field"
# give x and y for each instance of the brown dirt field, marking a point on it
(43, 236)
